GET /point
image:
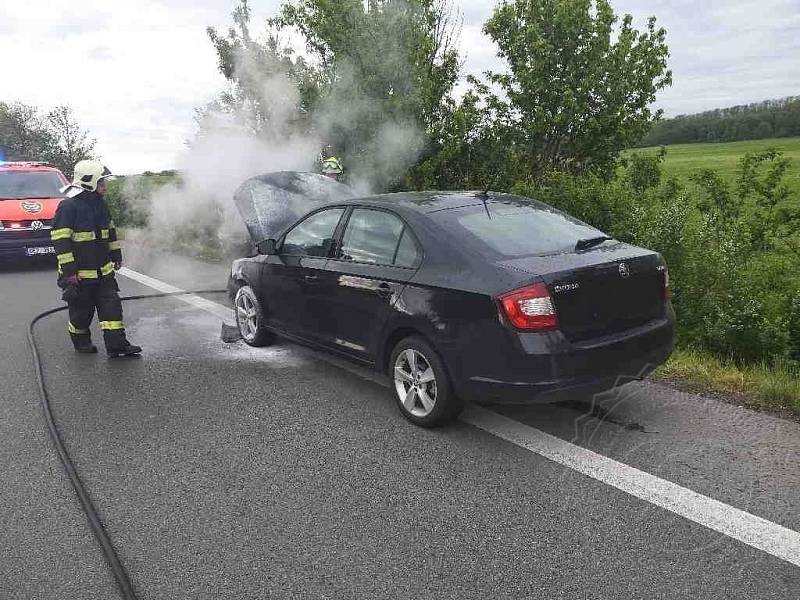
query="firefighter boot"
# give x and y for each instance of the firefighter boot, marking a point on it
(125, 349)
(83, 344)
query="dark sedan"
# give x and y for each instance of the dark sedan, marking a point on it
(491, 298)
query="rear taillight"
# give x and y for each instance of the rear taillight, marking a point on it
(667, 290)
(530, 308)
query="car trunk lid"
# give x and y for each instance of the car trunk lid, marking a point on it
(602, 291)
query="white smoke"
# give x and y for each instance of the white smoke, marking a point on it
(197, 213)
(265, 132)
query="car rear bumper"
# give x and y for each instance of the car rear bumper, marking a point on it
(14, 246)
(545, 368)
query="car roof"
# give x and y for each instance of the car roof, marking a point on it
(27, 166)
(424, 202)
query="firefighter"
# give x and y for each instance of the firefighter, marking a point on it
(332, 168)
(88, 254)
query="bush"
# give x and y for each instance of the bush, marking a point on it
(732, 253)
(128, 198)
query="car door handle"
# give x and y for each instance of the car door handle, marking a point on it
(311, 278)
(384, 290)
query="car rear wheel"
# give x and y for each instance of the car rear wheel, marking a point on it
(250, 318)
(422, 388)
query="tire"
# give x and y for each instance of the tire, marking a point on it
(250, 318)
(423, 392)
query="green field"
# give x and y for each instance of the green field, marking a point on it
(684, 159)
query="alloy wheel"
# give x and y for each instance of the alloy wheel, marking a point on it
(415, 383)
(246, 315)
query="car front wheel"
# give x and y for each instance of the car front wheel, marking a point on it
(422, 388)
(250, 318)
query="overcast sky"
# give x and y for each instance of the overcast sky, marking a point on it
(135, 71)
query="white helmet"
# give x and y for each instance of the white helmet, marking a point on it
(88, 174)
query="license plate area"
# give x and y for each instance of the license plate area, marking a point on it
(40, 250)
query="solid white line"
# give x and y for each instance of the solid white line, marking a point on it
(223, 312)
(754, 531)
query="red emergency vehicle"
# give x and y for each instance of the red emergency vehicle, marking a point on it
(29, 195)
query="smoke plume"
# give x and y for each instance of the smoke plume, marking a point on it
(255, 127)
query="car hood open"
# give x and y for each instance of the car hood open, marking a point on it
(272, 202)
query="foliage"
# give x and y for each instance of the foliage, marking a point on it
(271, 91)
(770, 119)
(578, 89)
(23, 134)
(387, 68)
(376, 85)
(760, 385)
(732, 250)
(129, 198)
(69, 143)
(57, 138)
(398, 56)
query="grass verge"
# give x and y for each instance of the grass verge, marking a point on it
(764, 387)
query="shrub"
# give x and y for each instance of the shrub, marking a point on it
(732, 253)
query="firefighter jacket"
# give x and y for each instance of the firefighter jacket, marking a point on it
(85, 238)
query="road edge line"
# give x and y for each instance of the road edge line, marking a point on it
(757, 532)
(215, 308)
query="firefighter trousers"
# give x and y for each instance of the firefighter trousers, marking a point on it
(101, 296)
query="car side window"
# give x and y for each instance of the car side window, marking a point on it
(375, 237)
(313, 236)
(408, 254)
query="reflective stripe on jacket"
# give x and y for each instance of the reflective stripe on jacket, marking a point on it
(85, 238)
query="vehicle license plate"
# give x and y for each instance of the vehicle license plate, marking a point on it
(40, 250)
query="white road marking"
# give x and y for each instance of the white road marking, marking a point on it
(223, 312)
(754, 531)
(747, 528)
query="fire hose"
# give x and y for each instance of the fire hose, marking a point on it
(95, 523)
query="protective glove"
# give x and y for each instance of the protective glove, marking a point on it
(71, 291)
(118, 265)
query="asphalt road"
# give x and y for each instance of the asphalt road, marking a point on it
(223, 471)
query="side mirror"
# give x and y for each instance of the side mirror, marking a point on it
(267, 247)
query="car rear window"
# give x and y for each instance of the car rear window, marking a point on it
(41, 184)
(514, 230)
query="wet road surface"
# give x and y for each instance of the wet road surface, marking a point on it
(224, 471)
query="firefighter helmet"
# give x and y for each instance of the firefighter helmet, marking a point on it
(88, 174)
(332, 166)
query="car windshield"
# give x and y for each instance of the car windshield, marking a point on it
(30, 184)
(514, 229)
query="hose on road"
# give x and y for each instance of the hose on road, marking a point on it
(96, 525)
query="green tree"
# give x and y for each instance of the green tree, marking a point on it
(23, 133)
(768, 119)
(271, 91)
(56, 138)
(579, 86)
(69, 141)
(387, 68)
